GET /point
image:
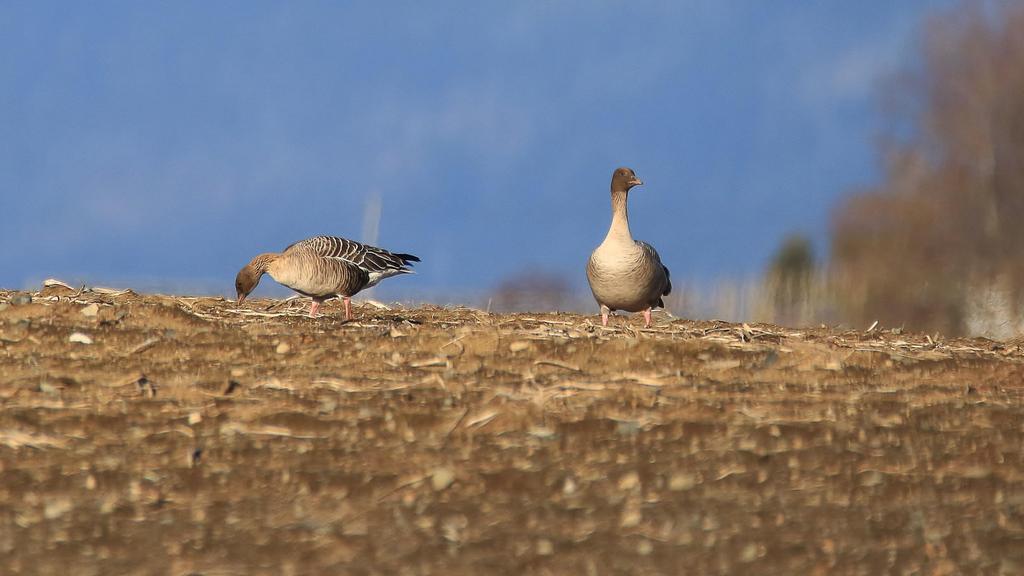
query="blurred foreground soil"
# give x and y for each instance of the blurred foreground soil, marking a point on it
(144, 434)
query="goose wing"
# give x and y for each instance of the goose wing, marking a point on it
(655, 259)
(369, 258)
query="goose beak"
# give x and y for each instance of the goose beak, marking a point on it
(636, 182)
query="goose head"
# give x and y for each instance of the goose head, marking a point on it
(623, 179)
(246, 281)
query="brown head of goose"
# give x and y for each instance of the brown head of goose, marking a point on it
(626, 274)
(323, 267)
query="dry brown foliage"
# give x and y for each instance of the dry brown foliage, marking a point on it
(947, 218)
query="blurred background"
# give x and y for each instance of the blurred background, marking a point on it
(841, 162)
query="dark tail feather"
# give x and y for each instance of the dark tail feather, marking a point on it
(668, 282)
(406, 258)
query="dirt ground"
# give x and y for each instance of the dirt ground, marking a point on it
(144, 434)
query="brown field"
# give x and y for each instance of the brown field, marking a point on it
(193, 437)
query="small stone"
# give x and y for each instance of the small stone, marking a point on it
(749, 553)
(442, 478)
(976, 472)
(408, 499)
(283, 348)
(79, 338)
(56, 508)
(631, 517)
(569, 486)
(90, 311)
(518, 346)
(21, 299)
(542, 432)
(90, 482)
(328, 405)
(453, 528)
(237, 372)
(194, 418)
(545, 547)
(629, 481)
(644, 548)
(681, 481)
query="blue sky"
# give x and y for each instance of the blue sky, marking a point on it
(168, 142)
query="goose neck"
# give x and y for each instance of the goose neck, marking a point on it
(620, 215)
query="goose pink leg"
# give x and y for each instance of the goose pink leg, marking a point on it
(647, 318)
(604, 316)
(313, 307)
(348, 310)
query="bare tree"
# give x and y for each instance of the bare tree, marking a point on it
(948, 217)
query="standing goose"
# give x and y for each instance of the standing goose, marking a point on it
(626, 274)
(323, 267)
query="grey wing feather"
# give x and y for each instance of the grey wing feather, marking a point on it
(366, 257)
(653, 254)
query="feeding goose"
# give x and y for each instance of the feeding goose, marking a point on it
(626, 274)
(323, 267)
